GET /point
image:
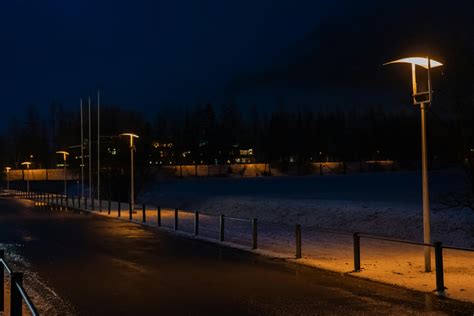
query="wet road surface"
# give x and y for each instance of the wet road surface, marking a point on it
(104, 267)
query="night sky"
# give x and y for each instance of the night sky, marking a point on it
(149, 54)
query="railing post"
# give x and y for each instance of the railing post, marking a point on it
(130, 211)
(196, 223)
(144, 212)
(298, 241)
(62, 200)
(15, 296)
(73, 201)
(175, 219)
(67, 201)
(2, 278)
(92, 201)
(109, 206)
(85, 202)
(158, 219)
(221, 228)
(254, 233)
(356, 252)
(119, 210)
(100, 205)
(439, 268)
(79, 202)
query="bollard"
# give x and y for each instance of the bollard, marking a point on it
(130, 211)
(221, 221)
(15, 296)
(2, 289)
(439, 268)
(158, 219)
(92, 201)
(119, 209)
(144, 212)
(196, 223)
(356, 252)
(85, 202)
(109, 205)
(79, 202)
(175, 219)
(298, 241)
(100, 205)
(254, 233)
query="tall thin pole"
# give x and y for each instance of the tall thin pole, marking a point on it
(28, 178)
(426, 199)
(82, 153)
(132, 186)
(90, 153)
(424, 171)
(65, 175)
(98, 145)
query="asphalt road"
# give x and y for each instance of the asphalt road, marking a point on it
(102, 267)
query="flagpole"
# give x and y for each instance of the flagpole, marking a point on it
(82, 153)
(98, 145)
(90, 154)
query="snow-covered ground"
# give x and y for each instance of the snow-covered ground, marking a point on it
(387, 204)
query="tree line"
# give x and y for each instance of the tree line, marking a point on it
(211, 134)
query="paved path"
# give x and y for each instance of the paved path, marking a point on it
(103, 266)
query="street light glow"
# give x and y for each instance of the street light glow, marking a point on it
(419, 61)
(130, 134)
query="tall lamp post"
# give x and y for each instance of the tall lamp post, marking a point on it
(132, 185)
(65, 154)
(27, 164)
(423, 99)
(7, 169)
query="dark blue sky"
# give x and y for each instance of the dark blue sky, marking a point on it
(148, 54)
(143, 53)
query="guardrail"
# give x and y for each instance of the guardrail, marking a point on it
(18, 294)
(62, 201)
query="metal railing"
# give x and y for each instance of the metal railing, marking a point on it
(18, 294)
(56, 200)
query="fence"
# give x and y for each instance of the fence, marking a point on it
(18, 294)
(247, 232)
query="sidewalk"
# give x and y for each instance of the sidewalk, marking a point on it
(383, 261)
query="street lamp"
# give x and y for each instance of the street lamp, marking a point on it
(65, 154)
(27, 164)
(132, 149)
(7, 169)
(423, 99)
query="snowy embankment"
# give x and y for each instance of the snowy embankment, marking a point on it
(385, 204)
